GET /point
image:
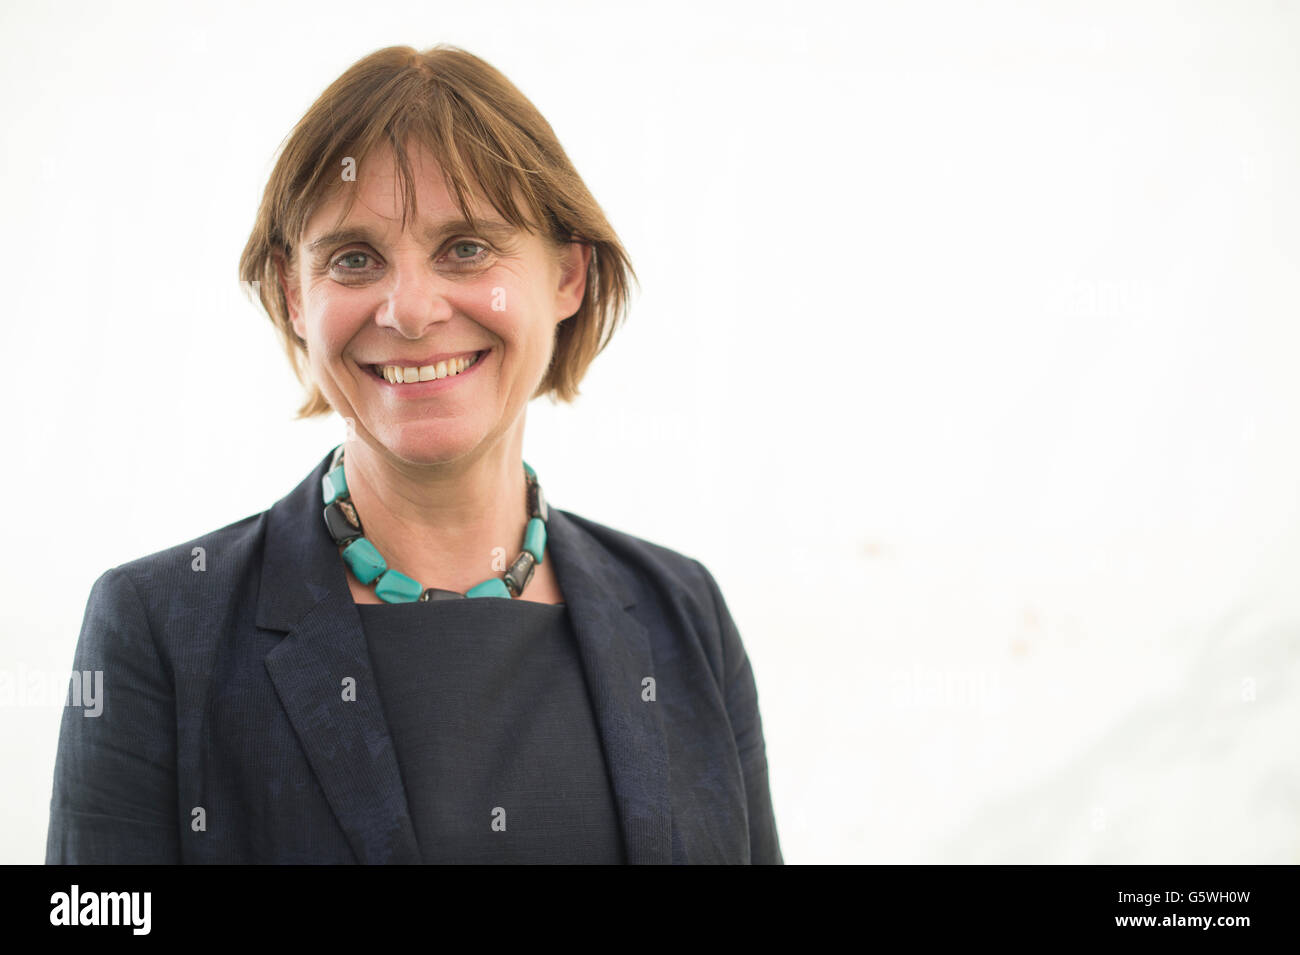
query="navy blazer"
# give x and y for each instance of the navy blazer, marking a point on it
(224, 736)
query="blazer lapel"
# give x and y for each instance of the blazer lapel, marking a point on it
(615, 650)
(304, 593)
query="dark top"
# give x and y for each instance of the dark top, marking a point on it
(494, 732)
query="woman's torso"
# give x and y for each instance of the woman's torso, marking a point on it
(493, 730)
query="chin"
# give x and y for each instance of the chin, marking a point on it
(428, 442)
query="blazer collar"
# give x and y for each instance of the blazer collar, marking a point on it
(304, 593)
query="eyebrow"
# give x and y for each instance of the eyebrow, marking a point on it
(493, 229)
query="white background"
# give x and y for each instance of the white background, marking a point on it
(965, 357)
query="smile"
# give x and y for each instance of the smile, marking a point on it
(403, 374)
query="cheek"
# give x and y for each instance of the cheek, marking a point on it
(510, 308)
(333, 318)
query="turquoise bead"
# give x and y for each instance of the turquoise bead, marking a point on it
(334, 485)
(365, 561)
(396, 588)
(535, 538)
(529, 471)
(495, 587)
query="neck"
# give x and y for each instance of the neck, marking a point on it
(449, 525)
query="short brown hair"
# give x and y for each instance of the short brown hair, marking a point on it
(485, 135)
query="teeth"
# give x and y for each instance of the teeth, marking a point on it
(399, 374)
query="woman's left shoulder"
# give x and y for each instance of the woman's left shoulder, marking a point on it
(649, 559)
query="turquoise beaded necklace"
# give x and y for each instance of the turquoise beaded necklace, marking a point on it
(391, 586)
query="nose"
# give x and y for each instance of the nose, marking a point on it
(415, 298)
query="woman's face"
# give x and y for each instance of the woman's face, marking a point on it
(364, 296)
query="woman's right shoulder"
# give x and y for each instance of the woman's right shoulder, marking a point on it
(212, 562)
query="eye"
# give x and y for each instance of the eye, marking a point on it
(353, 255)
(456, 251)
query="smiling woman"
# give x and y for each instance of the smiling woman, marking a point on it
(433, 354)
(326, 687)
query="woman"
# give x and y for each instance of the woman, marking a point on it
(278, 690)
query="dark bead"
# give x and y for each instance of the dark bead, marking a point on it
(434, 593)
(536, 501)
(341, 529)
(520, 572)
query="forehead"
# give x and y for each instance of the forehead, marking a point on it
(375, 192)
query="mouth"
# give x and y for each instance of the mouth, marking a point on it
(408, 374)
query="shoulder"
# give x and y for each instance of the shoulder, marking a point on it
(210, 563)
(639, 550)
(675, 576)
(139, 612)
(235, 540)
(676, 595)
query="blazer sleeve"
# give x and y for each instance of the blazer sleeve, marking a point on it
(741, 696)
(115, 794)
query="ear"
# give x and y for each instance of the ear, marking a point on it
(288, 278)
(574, 259)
